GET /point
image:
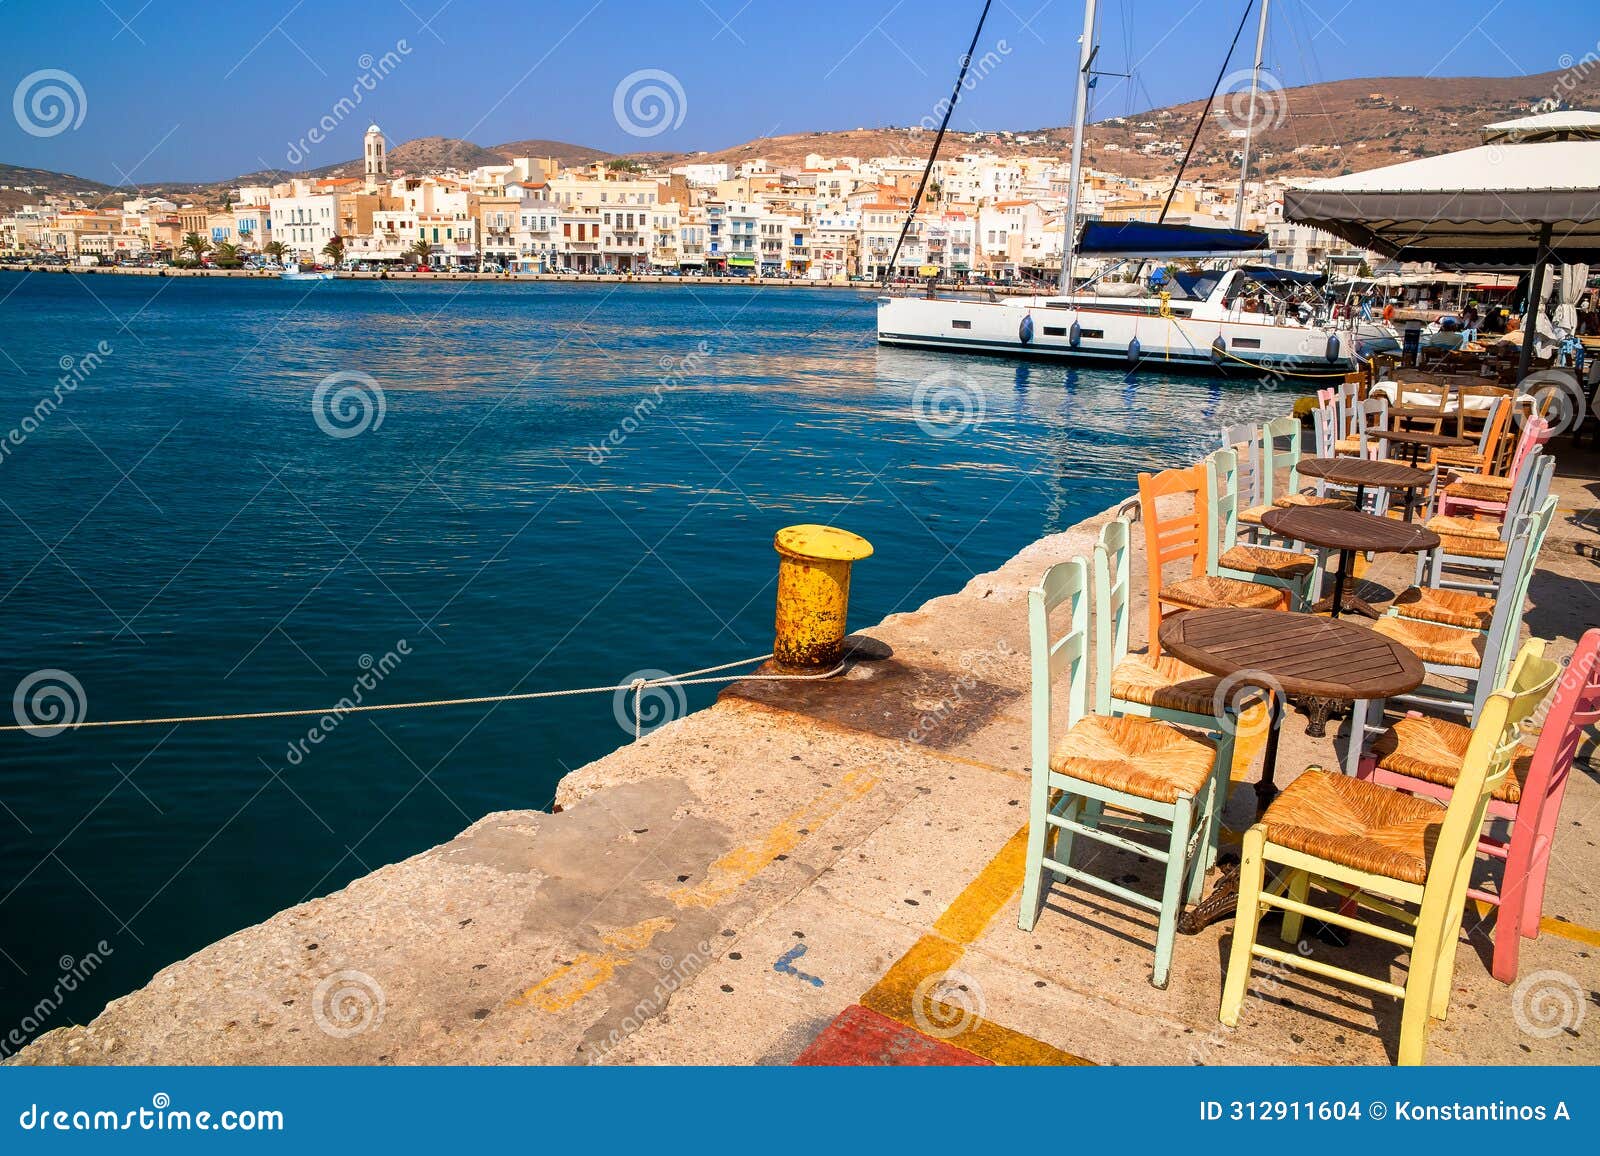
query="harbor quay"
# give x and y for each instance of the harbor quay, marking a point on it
(829, 872)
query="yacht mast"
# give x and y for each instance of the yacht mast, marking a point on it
(1250, 125)
(1080, 114)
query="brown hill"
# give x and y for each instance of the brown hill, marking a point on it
(567, 154)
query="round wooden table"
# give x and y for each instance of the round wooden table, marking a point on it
(1284, 654)
(1364, 472)
(1348, 531)
(1419, 440)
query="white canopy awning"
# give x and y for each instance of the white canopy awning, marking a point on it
(1568, 125)
(1481, 207)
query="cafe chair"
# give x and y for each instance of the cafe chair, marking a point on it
(1489, 493)
(1279, 452)
(1476, 561)
(1405, 858)
(1180, 535)
(1424, 756)
(1476, 657)
(1227, 557)
(1106, 775)
(1479, 518)
(1481, 458)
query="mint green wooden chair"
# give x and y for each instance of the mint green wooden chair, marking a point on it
(1108, 774)
(1286, 569)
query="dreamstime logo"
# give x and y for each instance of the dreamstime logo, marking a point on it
(1558, 396)
(1238, 111)
(348, 403)
(947, 1004)
(946, 404)
(373, 69)
(348, 1003)
(651, 700)
(47, 702)
(649, 102)
(1239, 702)
(49, 102)
(1547, 1003)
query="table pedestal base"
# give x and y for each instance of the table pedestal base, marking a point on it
(1220, 904)
(1318, 712)
(1349, 604)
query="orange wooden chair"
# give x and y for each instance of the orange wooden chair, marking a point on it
(1176, 536)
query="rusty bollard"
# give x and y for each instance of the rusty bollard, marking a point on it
(814, 594)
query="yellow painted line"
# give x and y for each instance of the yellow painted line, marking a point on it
(570, 982)
(1560, 928)
(732, 870)
(909, 991)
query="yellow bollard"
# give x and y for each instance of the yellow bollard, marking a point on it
(814, 594)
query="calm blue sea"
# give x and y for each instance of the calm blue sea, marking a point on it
(567, 485)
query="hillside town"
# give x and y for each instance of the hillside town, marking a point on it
(981, 217)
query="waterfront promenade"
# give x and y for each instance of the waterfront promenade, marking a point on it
(781, 879)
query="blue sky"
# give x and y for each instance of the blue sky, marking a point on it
(172, 89)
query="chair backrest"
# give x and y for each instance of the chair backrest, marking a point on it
(1349, 397)
(1422, 393)
(1065, 582)
(1111, 610)
(1494, 429)
(1372, 417)
(1245, 440)
(1522, 555)
(1325, 421)
(1174, 537)
(1222, 499)
(1280, 450)
(1490, 751)
(1575, 709)
(1535, 433)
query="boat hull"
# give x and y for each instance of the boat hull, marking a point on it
(1128, 334)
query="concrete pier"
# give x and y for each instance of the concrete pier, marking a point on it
(830, 875)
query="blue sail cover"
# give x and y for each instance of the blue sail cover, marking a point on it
(1143, 239)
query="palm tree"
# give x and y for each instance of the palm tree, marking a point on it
(227, 255)
(196, 245)
(275, 250)
(419, 252)
(334, 249)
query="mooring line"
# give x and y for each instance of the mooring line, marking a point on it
(636, 687)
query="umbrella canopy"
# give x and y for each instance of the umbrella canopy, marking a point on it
(1496, 206)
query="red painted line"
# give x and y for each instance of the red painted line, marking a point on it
(860, 1037)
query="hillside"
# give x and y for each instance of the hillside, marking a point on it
(41, 181)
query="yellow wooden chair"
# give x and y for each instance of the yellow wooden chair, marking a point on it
(1386, 851)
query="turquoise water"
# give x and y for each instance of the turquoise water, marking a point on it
(568, 484)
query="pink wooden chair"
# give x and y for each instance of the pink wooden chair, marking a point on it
(1487, 494)
(1530, 797)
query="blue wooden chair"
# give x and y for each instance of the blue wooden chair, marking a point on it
(1106, 775)
(1227, 557)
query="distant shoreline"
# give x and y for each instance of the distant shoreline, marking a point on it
(531, 278)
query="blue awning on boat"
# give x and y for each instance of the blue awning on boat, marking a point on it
(1144, 239)
(1267, 275)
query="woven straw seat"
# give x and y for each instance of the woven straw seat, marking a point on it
(1204, 592)
(1165, 682)
(1357, 824)
(1462, 458)
(1139, 756)
(1253, 514)
(1447, 607)
(1332, 503)
(1480, 488)
(1272, 563)
(1443, 645)
(1433, 750)
(1347, 446)
(1472, 547)
(1464, 526)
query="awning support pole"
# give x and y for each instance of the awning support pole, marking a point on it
(1530, 319)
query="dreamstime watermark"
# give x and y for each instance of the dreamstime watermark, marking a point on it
(936, 714)
(373, 70)
(48, 702)
(160, 1116)
(948, 1003)
(75, 371)
(1267, 977)
(650, 700)
(1240, 702)
(648, 102)
(49, 102)
(1558, 398)
(947, 403)
(74, 972)
(1251, 102)
(678, 369)
(1547, 1003)
(348, 1003)
(675, 972)
(348, 403)
(374, 671)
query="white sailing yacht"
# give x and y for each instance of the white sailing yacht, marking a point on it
(1238, 317)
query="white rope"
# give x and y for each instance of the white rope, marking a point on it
(637, 686)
